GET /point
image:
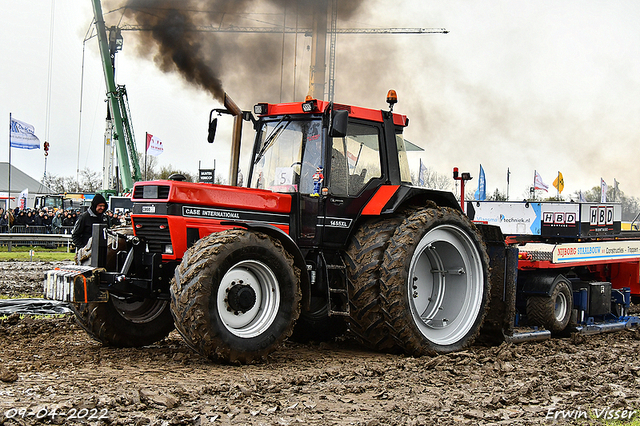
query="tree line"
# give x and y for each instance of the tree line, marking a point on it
(89, 181)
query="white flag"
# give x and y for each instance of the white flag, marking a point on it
(603, 191)
(539, 184)
(154, 145)
(23, 135)
(422, 173)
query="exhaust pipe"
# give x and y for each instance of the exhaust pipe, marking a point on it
(236, 139)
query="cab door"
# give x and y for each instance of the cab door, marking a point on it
(311, 180)
(355, 172)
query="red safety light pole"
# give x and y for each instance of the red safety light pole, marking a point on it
(465, 176)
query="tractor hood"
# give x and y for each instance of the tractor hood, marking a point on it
(197, 194)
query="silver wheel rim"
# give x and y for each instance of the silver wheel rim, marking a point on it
(139, 312)
(446, 285)
(560, 309)
(261, 279)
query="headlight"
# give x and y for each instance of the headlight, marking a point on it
(260, 109)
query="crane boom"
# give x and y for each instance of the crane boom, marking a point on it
(290, 30)
(129, 139)
(113, 95)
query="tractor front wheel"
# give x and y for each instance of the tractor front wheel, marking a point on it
(235, 296)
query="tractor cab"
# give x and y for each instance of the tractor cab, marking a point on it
(331, 158)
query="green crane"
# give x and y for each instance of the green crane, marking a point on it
(129, 167)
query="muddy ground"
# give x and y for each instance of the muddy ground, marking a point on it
(50, 368)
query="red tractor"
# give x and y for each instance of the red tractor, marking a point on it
(328, 233)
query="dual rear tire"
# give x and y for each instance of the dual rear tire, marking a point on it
(428, 287)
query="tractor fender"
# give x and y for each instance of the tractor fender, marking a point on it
(411, 195)
(290, 246)
(391, 199)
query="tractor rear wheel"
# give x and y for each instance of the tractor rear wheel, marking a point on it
(235, 296)
(122, 322)
(435, 282)
(552, 312)
(364, 257)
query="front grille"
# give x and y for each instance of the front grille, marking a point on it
(162, 192)
(154, 231)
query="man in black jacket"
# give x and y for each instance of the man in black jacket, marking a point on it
(84, 225)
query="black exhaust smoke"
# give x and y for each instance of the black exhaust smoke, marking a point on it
(169, 36)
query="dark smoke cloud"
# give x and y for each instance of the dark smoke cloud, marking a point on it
(204, 59)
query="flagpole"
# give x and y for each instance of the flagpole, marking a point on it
(9, 190)
(146, 144)
(10, 119)
(508, 173)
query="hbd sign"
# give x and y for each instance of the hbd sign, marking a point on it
(560, 218)
(601, 215)
(600, 220)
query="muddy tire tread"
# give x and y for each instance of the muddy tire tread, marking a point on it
(541, 309)
(363, 258)
(191, 292)
(398, 319)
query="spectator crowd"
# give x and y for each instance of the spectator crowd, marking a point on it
(51, 221)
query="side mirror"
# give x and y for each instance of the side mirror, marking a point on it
(339, 120)
(213, 125)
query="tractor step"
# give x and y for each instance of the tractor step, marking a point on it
(338, 294)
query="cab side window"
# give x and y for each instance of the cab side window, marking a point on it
(355, 160)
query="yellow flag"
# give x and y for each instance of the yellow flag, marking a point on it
(559, 182)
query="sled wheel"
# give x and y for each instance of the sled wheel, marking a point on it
(552, 312)
(235, 296)
(435, 282)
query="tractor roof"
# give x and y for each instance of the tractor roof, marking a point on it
(315, 106)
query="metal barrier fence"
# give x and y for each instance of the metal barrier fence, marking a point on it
(11, 239)
(32, 229)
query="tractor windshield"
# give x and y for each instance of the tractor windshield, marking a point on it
(278, 163)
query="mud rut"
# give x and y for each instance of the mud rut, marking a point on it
(50, 368)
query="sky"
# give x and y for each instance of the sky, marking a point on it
(527, 86)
